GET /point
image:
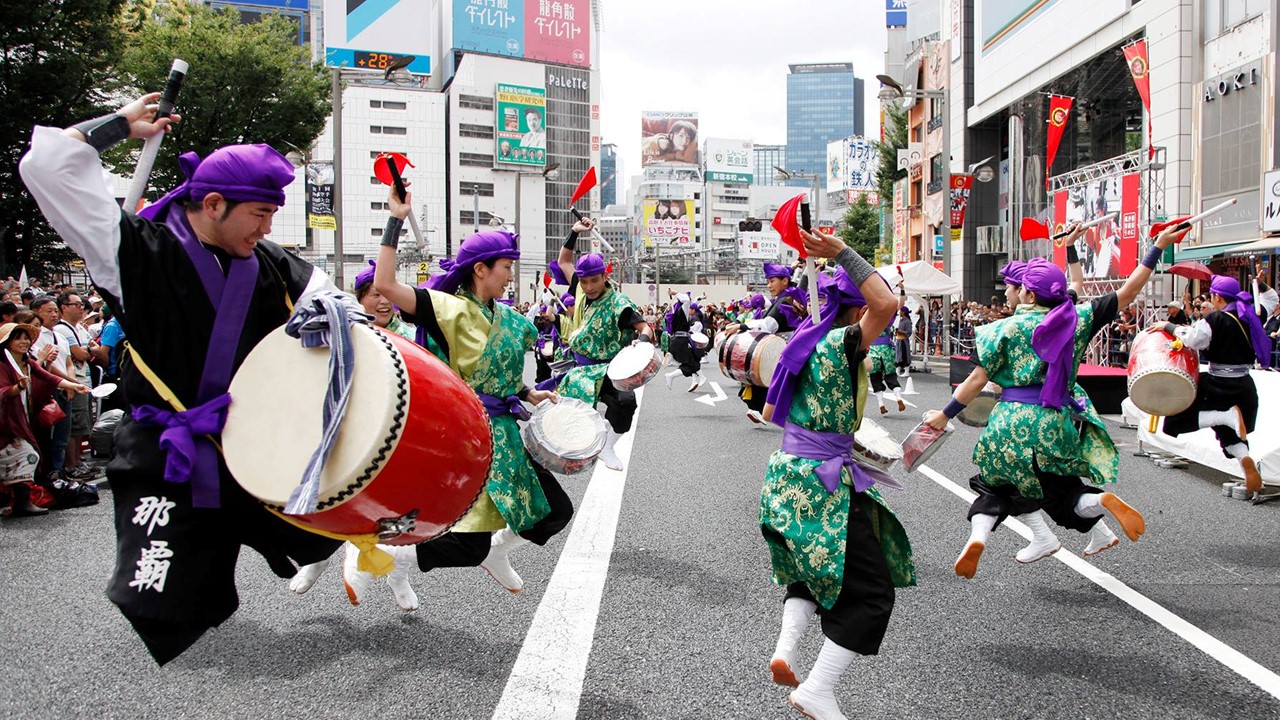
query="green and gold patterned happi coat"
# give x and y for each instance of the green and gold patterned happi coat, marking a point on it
(805, 526)
(1020, 436)
(513, 495)
(406, 330)
(883, 357)
(596, 335)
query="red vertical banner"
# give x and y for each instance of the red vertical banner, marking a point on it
(1059, 224)
(960, 187)
(1059, 112)
(1129, 190)
(1135, 55)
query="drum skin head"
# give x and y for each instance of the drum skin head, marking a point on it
(634, 366)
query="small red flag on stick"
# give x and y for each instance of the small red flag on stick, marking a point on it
(788, 226)
(587, 182)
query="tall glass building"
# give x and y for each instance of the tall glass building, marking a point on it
(608, 175)
(768, 157)
(824, 103)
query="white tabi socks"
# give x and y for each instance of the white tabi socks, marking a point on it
(669, 377)
(696, 381)
(498, 564)
(1252, 476)
(1100, 538)
(406, 557)
(902, 405)
(796, 613)
(607, 455)
(979, 536)
(880, 401)
(1091, 505)
(307, 575)
(1043, 542)
(816, 696)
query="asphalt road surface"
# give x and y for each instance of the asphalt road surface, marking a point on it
(657, 603)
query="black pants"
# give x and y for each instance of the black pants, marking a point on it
(758, 394)
(175, 565)
(882, 380)
(682, 350)
(1218, 393)
(1061, 493)
(469, 549)
(543, 367)
(860, 617)
(619, 406)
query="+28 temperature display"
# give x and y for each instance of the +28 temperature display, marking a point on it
(375, 60)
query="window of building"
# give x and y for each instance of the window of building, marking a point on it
(475, 160)
(467, 217)
(377, 232)
(475, 131)
(388, 104)
(475, 102)
(379, 206)
(473, 188)
(388, 130)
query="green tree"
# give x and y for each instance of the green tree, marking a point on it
(248, 83)
(862, 227)
(55, 58)
(895, 139)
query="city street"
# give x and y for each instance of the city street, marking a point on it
(657, 603)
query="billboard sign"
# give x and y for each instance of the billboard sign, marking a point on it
(521, 115)
(668, 222)
(895, 13)
(729, 161)
(669, 138)
(555, 32)
(371, 34)
(837, 176)
(1109, 250)
(861, 162)
(320, 215)
(761, 245)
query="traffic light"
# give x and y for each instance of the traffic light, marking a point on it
(749, 225)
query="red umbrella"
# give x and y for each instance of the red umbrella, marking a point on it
(1191, 270)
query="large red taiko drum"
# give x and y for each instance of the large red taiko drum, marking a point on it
(1162, 378)
(412, 452)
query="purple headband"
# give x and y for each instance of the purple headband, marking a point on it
(774, 270)
(568, 299)
(840, 293)
(366, 275)
(757, 301)
(244, 173)
(480, 247)
(506, 301)
(1054, 339)
(1013, 272)
(1242, 306)
(557, 275)
(588, 265)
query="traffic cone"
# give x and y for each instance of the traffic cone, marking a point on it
(909, 388)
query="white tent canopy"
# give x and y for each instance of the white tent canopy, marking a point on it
(920, 279)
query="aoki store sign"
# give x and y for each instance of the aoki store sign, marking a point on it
(1227, 84)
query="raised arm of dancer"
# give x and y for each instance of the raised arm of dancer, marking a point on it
(565, 259)
(881, 304)
(1138, 278)
(384, 275)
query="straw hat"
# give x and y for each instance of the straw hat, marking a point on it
(7, 330)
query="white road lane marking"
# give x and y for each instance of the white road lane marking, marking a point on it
(546, 681)
(1231, 658)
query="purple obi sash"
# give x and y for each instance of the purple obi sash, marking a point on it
(583, 360)
(499, 406)
(835, 451)
(1030, 395)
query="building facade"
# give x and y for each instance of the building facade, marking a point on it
(824, 103)
(767, 159)
(608, 175)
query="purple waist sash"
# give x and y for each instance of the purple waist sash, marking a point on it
(1030, 395)
(583, 360)
(499, 406)
(882, 340)
(834, 451)
(185, 460)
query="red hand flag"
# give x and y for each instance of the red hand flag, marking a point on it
(383, 173)
(608, 269)
(1159, 227)
(587, 182)
(546, 278)
(788, 226)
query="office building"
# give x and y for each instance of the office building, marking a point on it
(608, 175)
(824, 103)
(767, 158)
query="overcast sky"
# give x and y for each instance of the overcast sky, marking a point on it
(726, 60)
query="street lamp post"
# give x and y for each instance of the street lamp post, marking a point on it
(550, 172)
(802, 175)
(892, 91)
